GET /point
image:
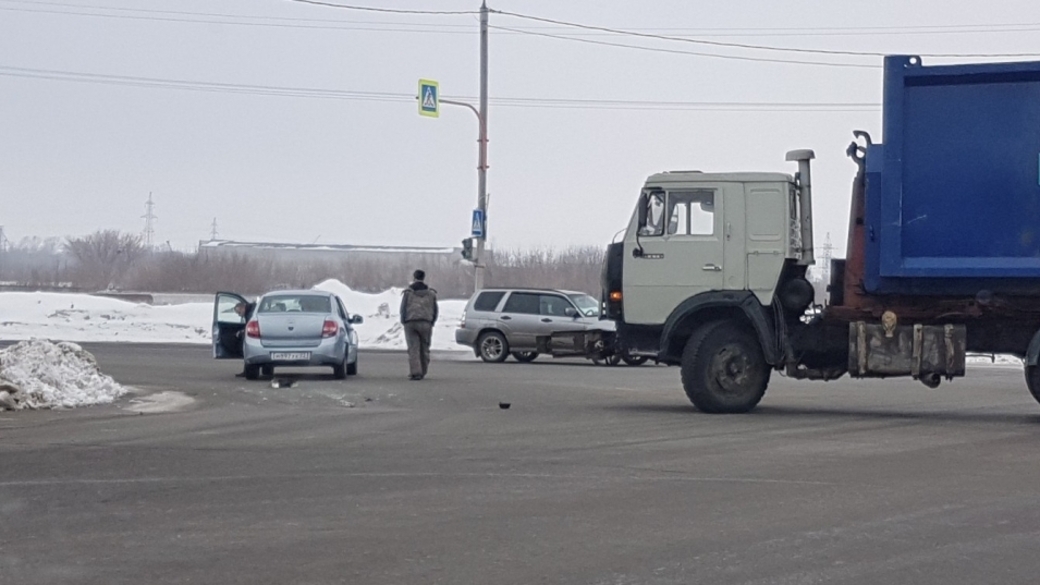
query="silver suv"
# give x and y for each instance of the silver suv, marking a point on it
(500, 322)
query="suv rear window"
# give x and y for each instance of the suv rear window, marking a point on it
(487, 301)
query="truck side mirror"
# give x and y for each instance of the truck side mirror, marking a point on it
(571, 312)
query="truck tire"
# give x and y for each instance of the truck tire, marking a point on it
(1033, 381)
(493, 347)
(723, 369)
(525, 356)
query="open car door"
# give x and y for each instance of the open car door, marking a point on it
(228, 326)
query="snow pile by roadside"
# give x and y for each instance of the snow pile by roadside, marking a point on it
(382, 312)
(43, 374)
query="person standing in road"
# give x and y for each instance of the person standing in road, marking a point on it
(418, 314)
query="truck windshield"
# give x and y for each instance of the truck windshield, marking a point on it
(588, 306)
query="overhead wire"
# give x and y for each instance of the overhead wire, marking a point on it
(384, 10)
(436, 28)
(682, 52)
(401, 97)
(746, 46)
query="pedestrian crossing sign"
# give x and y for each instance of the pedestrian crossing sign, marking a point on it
(478, 229)
(429, 98)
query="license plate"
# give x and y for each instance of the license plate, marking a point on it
(291, 356)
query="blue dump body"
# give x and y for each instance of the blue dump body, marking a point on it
(952, 200)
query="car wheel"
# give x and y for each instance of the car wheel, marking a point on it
(252, 372)
(352, 368)
(267, 370)
(723, 369)
(525, 356)
(493, 347)
(339, 371)
(610, 360)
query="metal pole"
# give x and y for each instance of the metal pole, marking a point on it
(478, 260)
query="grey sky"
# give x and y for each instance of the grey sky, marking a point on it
(75, 157)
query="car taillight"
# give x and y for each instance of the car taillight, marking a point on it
(329, 328)
(253, 329)
(462, 321)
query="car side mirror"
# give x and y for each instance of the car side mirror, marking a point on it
(571, 312)
(356, 319)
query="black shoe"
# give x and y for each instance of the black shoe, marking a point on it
(240, 375)
(415, 378)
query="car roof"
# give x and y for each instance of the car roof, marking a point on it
(298, 292)
(531, 289)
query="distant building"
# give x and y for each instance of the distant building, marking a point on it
(330, 253)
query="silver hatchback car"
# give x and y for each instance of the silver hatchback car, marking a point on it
(499, 322)
(286, 328)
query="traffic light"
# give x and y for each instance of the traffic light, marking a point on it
(467, 249)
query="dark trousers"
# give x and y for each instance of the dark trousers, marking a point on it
(417, 335)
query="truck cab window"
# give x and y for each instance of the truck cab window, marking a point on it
(691, 213)
(654, 225)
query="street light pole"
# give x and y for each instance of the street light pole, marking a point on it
(478, 273)
(482, 140)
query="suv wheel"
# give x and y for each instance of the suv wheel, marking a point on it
(493, 347)
(525, 356)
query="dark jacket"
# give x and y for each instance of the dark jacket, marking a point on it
(419, 303)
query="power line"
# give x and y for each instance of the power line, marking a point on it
(207, 19)
(728, 45)
(707, 31)
(400, 97)
(386, 10)
(696, 53)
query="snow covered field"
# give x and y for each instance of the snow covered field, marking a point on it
(84, 318)
(37, 373)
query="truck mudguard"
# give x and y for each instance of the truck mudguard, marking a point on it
(744, 301)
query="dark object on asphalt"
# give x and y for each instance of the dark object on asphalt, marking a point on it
(504, 405)
(283, 383)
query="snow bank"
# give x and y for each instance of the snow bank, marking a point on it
(382, 312)
(85, 318)
(43, 374)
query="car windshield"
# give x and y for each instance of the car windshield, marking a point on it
(294, 304)
(586, 304)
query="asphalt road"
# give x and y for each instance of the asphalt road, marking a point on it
(595, 475)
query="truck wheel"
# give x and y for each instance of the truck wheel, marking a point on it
(525, 356)
(723, 369)
(1033, 381)
(493, 347)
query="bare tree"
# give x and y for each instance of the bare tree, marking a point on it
(103, 257)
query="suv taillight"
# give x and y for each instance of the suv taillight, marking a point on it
(329, 328)
(253, 329)
(462, 321)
